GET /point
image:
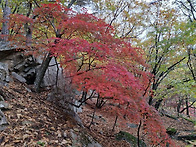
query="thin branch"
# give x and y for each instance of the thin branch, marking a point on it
(169, 69)
(117, 13)
(80, 66)
(138, 133)
(84, 72)
(57, 72)
(128, 32)
(47, 18)
(192, 9)
(71, 3)
(115, 123)
(189, 64)
(92, 118)
(183, 5)
(188, 106)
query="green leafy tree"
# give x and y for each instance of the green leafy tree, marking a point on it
(187, 30)
(162, 52)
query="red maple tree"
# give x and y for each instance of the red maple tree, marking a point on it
(87, 48)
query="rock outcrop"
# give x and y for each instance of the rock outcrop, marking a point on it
(4, 74)
(16, 65)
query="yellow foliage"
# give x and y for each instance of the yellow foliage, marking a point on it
(1, 13)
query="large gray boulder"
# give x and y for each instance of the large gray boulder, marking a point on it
(54, 75)
(6, 50)
(24, 68)
(18, 77)
(4, 74)
(3, 121)
(4, 46)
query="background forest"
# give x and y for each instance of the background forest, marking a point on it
(132, 60)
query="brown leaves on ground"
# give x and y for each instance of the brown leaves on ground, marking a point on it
(103, 124)
(35, 122)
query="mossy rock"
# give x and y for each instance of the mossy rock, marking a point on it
(129, 138)
(171, 131)
(88, 141)
(85, 139)
(189, 119)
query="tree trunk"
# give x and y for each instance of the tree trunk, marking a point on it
(187, 107)
(29, 26)
(154, 88)
(5, 27)
(115, 123)
(158, 104)
(100, 102)
(150, 100)
(41, 72)
(84, 96)
(179, 106)
(138, 133)
(45, 63)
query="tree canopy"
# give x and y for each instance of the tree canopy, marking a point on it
(127, 53)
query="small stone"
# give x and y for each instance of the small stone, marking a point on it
(63, 142)
(3, 120)
(78, 145)
(17, 141)
(54, 141)
(132, 125)
(1, 98)
(25, 122)
(29, 90)
(4, 105)
(73, 135)
(59, 133)
(18, 77)
(25, 136)
(29, 132)
(69, 141)
(65, 134)
(76, 129)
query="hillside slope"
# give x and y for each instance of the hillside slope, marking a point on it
(33, 121)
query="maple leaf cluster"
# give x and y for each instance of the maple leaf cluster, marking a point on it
(86, 47)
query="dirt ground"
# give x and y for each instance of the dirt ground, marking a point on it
(102, 128)
(35, 122)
